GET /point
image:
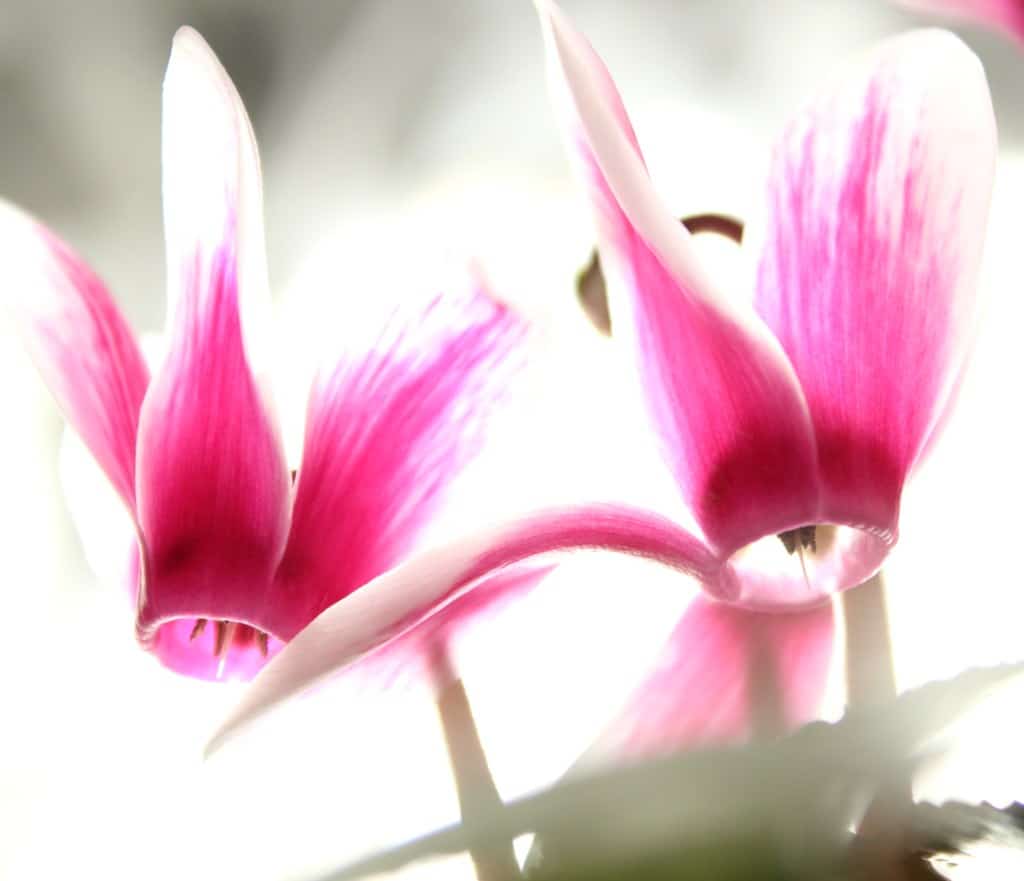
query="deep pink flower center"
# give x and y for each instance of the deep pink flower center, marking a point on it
(214, 648)
(802, 566)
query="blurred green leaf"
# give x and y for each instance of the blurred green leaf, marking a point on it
(778, 810)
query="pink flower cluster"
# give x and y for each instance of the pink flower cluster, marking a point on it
(790, 419)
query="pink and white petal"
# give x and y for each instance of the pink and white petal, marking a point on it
(412, 656)
(81, 343)
(387, 431)
(724, 675)
(212, 187)
(1004, 15)
(878, 203)
(724, 399)
(399, 600)
(213, 486)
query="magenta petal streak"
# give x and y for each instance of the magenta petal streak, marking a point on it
(878, 205)
(82, 345)
(386, 433)
(726, 674)
(213, 484)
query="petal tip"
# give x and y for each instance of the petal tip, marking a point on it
(187, 40)
(194, 66)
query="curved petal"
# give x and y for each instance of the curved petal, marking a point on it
(723, 397)
(724, 675)
(414, 652)
(878, 202)
(213, 486)
(400, 599)
(82, 345)
(386, 432)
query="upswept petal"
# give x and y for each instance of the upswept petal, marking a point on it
(724, 399)
(878, 200)
(387, 430)
(401, 599)
(724, 675)
(79, 340)
(213, 486)
(414, 653)
(212, 186)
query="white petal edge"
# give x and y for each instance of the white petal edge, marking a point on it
(212, 182)
(626, 175)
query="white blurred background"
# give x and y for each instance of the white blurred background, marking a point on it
(391, 130)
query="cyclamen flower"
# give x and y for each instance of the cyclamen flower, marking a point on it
(791, 421)
(232, 559)
(1001, 15)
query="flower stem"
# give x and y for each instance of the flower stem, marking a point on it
(477, 793)
(869, 665)
(882, 842)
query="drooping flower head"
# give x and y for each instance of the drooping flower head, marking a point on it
(810, 405)
(233, 555)
(791, 420)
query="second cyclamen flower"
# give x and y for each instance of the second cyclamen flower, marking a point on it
(803, 416)
(232, 559)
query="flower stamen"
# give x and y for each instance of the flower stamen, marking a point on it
(231, 633)
(802, 538)
(221, 638)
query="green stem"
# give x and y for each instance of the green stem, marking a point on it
(477, 793)
(870, 678)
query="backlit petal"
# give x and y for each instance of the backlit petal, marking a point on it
(724, 675)
(724, 399)
(404, 597)
(212, 186)
(412, 654)
(878, 202)
(387, 430)
(213, 487)
(79, 340)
